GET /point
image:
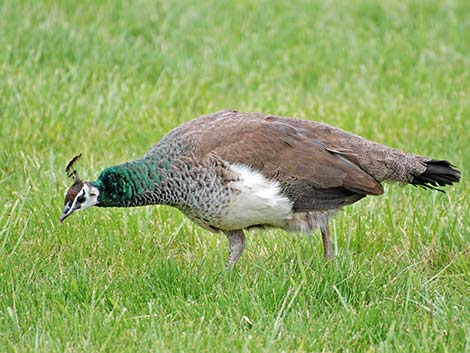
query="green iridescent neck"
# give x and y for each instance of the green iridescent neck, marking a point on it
(132, 183)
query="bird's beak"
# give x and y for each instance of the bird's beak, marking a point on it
(68, 210)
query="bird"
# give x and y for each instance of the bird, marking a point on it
(232, 171)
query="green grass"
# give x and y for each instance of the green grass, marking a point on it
(110, 78)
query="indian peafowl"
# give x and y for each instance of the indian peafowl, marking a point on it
(229, 171)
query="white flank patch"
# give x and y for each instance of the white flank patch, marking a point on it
(259, 201)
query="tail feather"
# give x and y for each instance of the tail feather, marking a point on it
(438, 173)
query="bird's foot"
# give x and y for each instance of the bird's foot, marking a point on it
(236, 241)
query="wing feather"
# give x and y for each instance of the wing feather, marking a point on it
(312, 173)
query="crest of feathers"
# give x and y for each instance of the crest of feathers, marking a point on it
(70, 171)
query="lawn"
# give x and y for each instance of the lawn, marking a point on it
(110, 78)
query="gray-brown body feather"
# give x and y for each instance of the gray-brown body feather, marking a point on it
(319, 167)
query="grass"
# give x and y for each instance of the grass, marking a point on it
(110, 78)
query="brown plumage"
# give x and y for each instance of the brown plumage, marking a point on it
(309, 159)
(319, 167)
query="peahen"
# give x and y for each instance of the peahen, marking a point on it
(229, 171)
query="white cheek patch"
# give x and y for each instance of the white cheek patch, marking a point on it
(75, 202)
(91, 198)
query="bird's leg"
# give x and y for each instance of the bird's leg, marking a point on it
(325, 234)
(236, 242)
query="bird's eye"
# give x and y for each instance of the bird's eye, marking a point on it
(81, 199)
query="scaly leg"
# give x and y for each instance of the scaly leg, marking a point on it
(325, 234)
(236, 242)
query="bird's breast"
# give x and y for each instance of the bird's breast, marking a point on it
(253, 200)
(241, 198)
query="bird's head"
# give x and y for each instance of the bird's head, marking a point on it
(80, 195)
